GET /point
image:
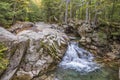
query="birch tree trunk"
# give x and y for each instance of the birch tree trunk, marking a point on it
(66, 11)
(87, 12)
(96, 15)
(71, 9)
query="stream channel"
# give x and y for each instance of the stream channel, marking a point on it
(79, 64)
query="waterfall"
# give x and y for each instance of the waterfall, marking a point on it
(78, 59)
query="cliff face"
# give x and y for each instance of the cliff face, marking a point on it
(32, 51)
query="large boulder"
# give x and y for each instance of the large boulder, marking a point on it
(34, 52)
(6, 36)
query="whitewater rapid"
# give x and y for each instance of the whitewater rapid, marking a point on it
(78, 59)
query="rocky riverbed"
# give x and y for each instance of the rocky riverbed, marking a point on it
(35, 49)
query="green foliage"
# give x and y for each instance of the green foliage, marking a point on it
(105, 9)
(54, 10)
(5, 14)
(34, 12)
(3, 60)
(19, 8)
(12, 11)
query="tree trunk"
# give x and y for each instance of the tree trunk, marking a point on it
(71, 9)
(90, 11)
(14, 10)
(96, 14)
(95, 18)
(87, 12)
(66, 12)
(112, 11)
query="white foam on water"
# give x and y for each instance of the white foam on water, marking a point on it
(78, 59)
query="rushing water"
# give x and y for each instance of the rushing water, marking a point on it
(78, 64)
(78, 59)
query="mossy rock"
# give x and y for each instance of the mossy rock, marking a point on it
(3, 60)
(102, 37)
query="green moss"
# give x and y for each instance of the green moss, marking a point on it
(102, 37)
(3, 60)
